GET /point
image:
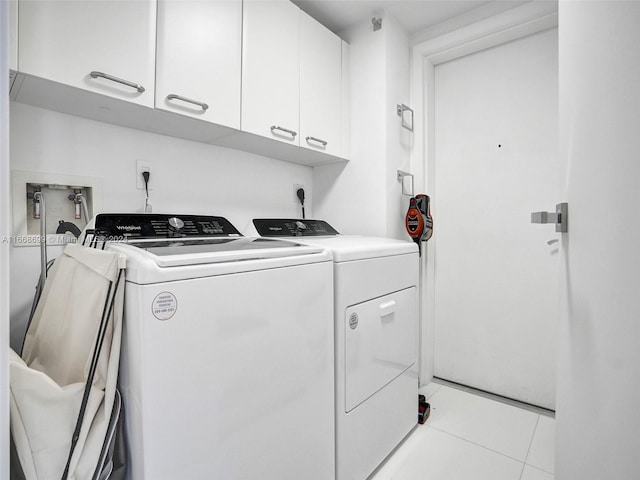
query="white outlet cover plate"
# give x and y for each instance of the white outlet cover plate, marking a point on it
(296, 186)
(143, 166)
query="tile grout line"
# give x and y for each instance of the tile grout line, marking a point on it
(535, 429)
(529, 451)
(541, 470)
(478, 445)
(539, 412)
(472, 392)
(524, 465)
(532, 437)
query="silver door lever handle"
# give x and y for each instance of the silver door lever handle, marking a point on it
(560, 217)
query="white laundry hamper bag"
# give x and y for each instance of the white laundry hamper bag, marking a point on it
(65, 406)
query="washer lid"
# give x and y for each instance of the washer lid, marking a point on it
(178, 252)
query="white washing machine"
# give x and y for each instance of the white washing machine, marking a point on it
(376, 338)
(227, 357)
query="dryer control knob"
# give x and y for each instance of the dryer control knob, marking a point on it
(175, 224)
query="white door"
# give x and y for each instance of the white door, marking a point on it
(496, 274)
(380, 344)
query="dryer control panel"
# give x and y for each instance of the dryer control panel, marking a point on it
(291, 227)
(144, 225)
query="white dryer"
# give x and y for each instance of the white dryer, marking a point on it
(376, 338)
(227, 358)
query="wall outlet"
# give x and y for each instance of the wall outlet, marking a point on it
(143, 166)
(296, 200)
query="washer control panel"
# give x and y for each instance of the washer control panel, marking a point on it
(145, 225)
(292, 227)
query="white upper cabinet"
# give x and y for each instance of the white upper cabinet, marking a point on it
(199, 58)
(346, 103)
(13, 34)
(320, 87)
(103, 46)
(255, 75)
(271, 70)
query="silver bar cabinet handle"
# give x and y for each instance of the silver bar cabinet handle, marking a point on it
(138, 87)
(317, 140)
(285, 130)
(173, 96)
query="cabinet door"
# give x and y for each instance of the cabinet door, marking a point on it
(13, 34)
(67, 40)
(198, 59)
(320, 87)
(270, 75)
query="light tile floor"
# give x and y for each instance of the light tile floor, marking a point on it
(471, 437)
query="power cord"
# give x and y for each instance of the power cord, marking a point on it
(147, 204)
(300, 195)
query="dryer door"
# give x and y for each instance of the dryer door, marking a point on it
(381, 343)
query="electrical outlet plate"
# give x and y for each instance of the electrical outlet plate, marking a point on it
(143, 166)
(296, 186)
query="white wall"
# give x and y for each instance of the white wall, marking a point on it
(598, 418)
(186, 177)
(398, 140)
(363, 196)
(346, 195)
(5, 219)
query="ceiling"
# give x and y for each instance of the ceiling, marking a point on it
(413, 15)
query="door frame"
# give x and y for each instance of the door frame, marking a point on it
(5, 231)
(518, 22)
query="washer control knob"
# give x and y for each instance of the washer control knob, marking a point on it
(300, 227)
(175, 224)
